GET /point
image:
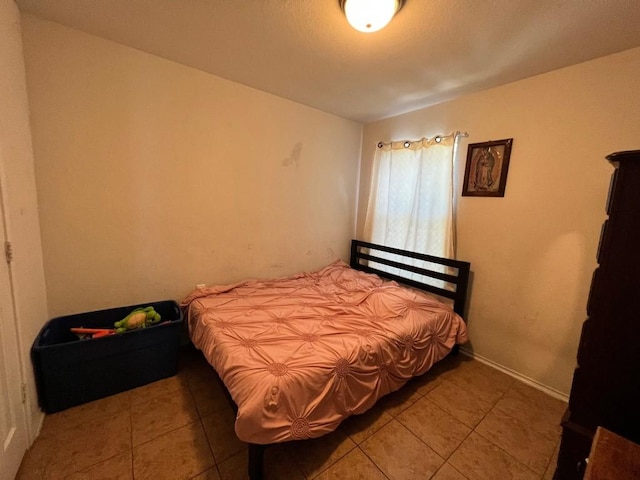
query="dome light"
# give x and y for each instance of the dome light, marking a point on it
(370, 15)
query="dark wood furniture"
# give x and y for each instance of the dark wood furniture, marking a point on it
(364, 257)
(456, 278)
(613, 457)
(606, 383)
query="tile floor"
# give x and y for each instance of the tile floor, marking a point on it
(462, 420)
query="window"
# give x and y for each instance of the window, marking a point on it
(411, 197)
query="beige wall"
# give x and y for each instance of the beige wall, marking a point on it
(532, 252)
(154, 177)
(20, 201)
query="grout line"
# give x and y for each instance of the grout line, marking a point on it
(502, 449)
(88, 467)
(165, 433)
(518, 376)
(460, 444)
(452, 466)
(553, 454)
(446, 462)
(472, 429)
(509, 454)
(215, 460)
(373, 461)
(191, 382)
(209, 442)
(191, 421)
(317, 474)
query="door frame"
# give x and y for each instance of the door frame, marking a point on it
(16, 407)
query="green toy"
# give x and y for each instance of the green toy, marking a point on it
(139, 318)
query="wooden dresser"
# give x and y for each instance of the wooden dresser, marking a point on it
(606, 383)
(613, 458)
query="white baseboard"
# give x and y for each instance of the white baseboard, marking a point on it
(518, 376)
(36, 426)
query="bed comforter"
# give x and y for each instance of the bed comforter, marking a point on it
(300, 354)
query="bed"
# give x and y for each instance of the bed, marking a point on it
(300, 354)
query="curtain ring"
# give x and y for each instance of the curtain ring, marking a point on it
(407, 144)
(438, 139)
(380, 144)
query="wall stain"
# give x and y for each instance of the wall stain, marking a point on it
(294, 158)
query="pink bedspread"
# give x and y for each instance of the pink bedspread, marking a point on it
(302, 353)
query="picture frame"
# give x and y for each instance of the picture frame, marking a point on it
(485, 174)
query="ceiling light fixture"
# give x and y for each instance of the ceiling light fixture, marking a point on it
(370, 15)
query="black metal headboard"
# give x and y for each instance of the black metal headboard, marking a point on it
(363, 253)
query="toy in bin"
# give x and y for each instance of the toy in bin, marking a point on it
(139, 318)
(87, 333)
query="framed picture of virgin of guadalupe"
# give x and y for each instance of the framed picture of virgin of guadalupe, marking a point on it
(487, 165)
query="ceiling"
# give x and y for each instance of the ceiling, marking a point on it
(305, 51)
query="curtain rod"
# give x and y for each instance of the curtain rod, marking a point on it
(437, 138)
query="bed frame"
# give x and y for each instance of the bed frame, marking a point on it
(362, 255)
(456, 280)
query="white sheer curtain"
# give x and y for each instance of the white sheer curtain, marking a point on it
(411, 196)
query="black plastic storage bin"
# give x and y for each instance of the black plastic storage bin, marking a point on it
(70, 371)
